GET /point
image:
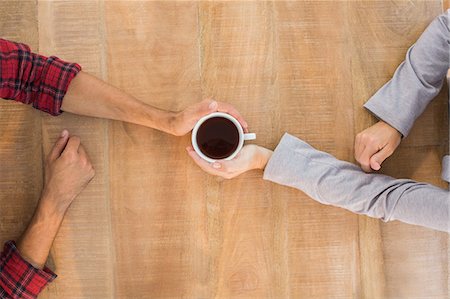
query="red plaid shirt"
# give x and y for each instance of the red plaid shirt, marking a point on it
(18, 278)
(31, 79)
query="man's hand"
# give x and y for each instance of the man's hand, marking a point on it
(184, 121)
(375, 144)
(250, 157)
(67, 172)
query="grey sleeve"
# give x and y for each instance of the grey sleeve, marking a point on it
(333, 182)
(417, 80)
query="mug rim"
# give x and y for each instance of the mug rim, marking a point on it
(211, 115)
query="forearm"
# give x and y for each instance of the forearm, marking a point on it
(90, 96)
(36, 242)
(334, 182)
(417, 80)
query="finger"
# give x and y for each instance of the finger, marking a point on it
(359, 147)
(73, 144)
(203, 108)
(227, 108)
(59, 146)
(364, 160)
(207, 167)
(83, 153)
(377, 159)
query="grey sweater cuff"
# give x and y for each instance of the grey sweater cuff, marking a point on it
(280, 166)
(377, 108)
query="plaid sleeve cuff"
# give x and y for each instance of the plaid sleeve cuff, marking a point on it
(56, 77)
(34, 79)
(18, 278)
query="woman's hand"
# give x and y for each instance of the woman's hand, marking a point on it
(250, 157)
(184, 121)
(375, 144)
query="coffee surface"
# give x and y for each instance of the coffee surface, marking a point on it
(218, 138)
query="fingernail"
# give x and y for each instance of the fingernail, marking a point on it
(377, 167)
(216, 165)
(245, 124)
(64, 133)
(213, 105)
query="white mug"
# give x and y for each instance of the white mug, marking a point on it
(242, 136)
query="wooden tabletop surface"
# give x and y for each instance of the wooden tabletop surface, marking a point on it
(152, 224)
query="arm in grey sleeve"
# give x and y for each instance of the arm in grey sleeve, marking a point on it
(417, 80)
(333, 182)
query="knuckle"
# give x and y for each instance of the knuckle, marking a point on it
(75, 139)
(389, 151)
(362, 135)
(70, 156)
(228, 176)
(369, 139)
(365, 165)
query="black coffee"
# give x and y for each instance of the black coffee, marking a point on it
(218, 138)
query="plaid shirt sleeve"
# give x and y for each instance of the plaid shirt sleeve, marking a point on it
(32, 78)
(18, 278)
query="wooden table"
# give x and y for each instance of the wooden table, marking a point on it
(151, 224)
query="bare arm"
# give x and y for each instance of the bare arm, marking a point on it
(67, 172)
(37, 240)
(90, 96)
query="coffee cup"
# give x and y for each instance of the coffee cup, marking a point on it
(219, 136)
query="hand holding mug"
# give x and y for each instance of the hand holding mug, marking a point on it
(184, 121)
(250, 157)
(218, 136)
(218, 147)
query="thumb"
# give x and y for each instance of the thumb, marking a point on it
(206, 107)
(377, 159)
(59, 146)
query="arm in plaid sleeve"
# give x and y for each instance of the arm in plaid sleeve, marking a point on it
(18, 278)
(34, 79)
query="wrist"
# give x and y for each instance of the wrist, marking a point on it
(262, 157)
(159, 119)
(391, 128)
(171, 122)
(52, 207)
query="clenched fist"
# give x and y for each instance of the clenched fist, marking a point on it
(375, 144)
(68, 170)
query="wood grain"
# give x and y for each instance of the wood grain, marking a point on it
(83, 252)
(380, 41)
(20, 131)
(157, 197)
(314, 92)
(152, 224)
(238, 49)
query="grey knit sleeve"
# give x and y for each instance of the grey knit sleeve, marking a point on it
(333, 182)
(417, 80)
